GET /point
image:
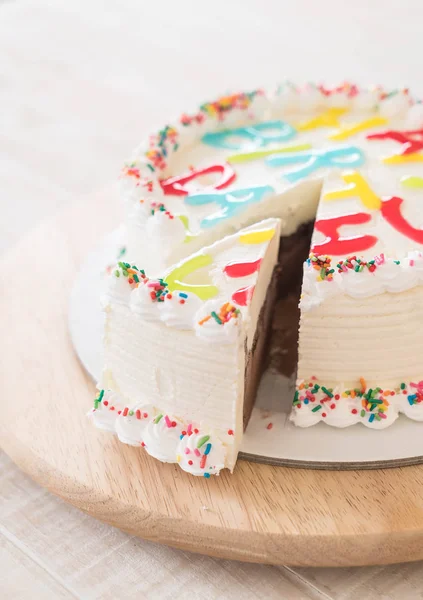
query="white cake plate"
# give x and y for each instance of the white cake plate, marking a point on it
(280, 443)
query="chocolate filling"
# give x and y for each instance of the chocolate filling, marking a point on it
(275, 343)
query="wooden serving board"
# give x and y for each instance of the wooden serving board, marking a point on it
(261, 513)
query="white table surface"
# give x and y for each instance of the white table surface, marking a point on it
(80, 83)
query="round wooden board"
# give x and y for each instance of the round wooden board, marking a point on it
(261, 513)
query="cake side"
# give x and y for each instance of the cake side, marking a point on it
(356, 344)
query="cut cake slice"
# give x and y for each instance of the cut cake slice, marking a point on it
(183, 353)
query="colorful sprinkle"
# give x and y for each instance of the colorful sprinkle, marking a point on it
(203, 440)
(372, 402)
(323, 264)
(226, 312)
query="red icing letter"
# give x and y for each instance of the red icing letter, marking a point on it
(242, 269)
(176, 185)
(334, 244)
(243, 296)
(412, 141)
(391, 211)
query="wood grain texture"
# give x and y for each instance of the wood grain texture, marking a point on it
(260, 514)
(95, 561)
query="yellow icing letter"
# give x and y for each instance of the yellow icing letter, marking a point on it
(353, 128)
(357, 186)
(330, 118)
(174, 279)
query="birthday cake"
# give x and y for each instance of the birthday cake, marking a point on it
(241, 211)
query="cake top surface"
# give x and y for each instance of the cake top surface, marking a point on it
(254, 155)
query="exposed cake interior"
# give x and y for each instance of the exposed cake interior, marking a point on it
(275, 342)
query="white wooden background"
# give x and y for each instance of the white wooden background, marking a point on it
(81, 81)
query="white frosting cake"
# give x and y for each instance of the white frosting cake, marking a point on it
(182, 311)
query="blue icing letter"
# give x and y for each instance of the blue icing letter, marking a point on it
(341, 156)
(255, 136)
(230, 203)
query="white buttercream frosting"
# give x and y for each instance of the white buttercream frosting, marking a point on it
(366, 100)
(391, 276)
(373, 408)
(165, 230)
(179, 310)
(140, 212)
(211, 330)
(201, 453)
(341, 416)
(415, 116)
(131, 423)
(395, 105)
(142, 303)
(161, 437)
(310, 99)
(118, 288)
(286, 98)
(166, 438)
(176, 309)
(411, 403)
(105, 413)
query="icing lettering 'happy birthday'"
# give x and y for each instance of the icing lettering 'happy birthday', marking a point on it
(176, 185)
(391, 211)
(245, 269)
(335, 244)
(341, 157)
(411, 141)
(174, 279)
(357, 187)
(257, 237)
(398, 159)
(257, 135)
(230, 203)
(243, 296)
(412, 182)
(247, 156)
(329, 118)
(348, 131)
(250, 143)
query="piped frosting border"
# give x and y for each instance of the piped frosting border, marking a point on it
(194, 447)
(326, 277)
(373, 407)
